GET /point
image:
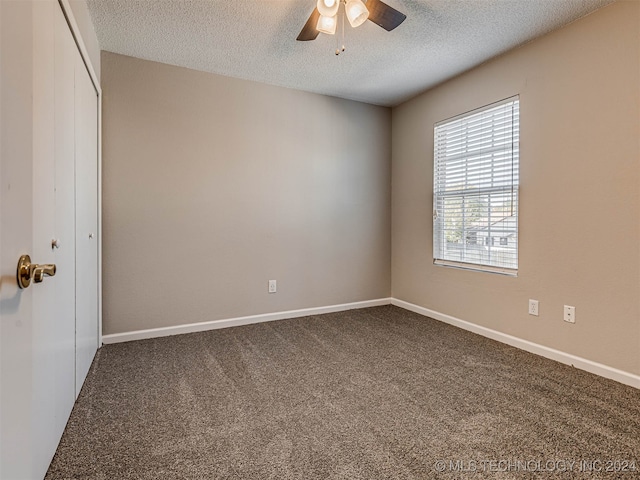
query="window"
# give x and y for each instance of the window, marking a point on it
(476, 178)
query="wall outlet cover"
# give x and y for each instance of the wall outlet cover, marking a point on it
(569, 314)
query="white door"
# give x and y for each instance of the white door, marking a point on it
(86, 187)
(64, 202)
(53, 315)
(16, 230)
(39, 66)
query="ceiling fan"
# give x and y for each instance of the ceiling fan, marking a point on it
(324, 16)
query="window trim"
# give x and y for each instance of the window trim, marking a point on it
(512, 272)
(509, 272)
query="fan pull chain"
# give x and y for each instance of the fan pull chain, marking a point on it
(344, 14)
(338, 33)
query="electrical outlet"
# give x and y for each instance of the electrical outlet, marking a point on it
(272, 286)
(533, 307)
(569, 314)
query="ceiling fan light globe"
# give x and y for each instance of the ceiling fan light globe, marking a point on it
(357, 13)
(327, 24)
(328, 8)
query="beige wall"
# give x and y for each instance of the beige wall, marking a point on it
(580, 184)
(213, 186)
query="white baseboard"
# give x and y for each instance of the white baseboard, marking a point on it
(562, 357)
(557, 355)
(234, 322)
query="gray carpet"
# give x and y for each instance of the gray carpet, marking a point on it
(377, 393)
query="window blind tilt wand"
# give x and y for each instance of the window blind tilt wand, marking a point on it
(476, 179)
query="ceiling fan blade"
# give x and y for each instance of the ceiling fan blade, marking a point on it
(382, 14)
(309, 31)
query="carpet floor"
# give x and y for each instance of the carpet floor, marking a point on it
(376, 393)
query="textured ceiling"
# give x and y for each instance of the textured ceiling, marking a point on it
(255, 40)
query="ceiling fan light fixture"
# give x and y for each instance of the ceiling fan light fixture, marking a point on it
(328, 8)
(357, 13)
(327, 24)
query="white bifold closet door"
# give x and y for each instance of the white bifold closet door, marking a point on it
(49, 172)
(76, 217)
(76, 207)
(86, 228)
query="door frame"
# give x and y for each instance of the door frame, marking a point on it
(77, 36)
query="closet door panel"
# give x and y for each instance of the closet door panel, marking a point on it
(64, 313)
(86, 186)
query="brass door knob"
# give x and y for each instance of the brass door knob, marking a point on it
(27, 271)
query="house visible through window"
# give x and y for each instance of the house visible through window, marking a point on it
(476, 178)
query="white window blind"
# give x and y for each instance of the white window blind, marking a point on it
(476, 177)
